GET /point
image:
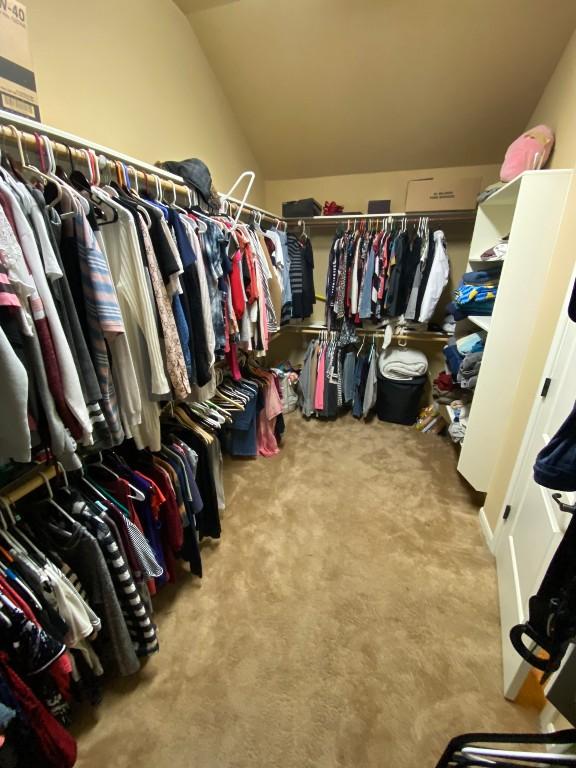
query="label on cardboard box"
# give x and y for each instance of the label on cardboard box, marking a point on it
(17, 80)
(447, 195)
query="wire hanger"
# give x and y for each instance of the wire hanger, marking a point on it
(18, 532)
(32, 168)
(51, 500)
(250, 175)
(137, 494)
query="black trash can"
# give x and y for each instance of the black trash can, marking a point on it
(399, 401)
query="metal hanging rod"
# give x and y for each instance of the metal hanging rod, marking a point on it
(423, 336)
(27, 483)
(436, 216)
(67, 145)
(255, 209)
(75, 142)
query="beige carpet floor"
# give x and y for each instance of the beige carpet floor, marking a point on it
(348, 618)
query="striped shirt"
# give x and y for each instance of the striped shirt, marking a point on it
(141, 629)
(104, 318)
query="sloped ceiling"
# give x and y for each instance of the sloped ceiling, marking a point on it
(324, 87)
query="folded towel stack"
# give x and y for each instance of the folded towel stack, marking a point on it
(402, 363)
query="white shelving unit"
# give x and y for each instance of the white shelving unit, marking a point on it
(530, 210)
(482, 321)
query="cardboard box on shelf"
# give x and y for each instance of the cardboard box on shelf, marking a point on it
(17, 80)
(452, 194)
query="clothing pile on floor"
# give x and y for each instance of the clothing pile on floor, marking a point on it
(455, 386)
(430, 421)
(288, 378)
(476, 293)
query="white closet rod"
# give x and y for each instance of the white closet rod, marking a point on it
(80, 143)
(413, 216)
(265, 214)
(77, 142)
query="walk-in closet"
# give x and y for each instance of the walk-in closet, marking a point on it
(287, 408)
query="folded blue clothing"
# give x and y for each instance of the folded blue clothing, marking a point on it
(482, 276)
(474, 342)
(474, 294)
(484, 308)
(453, 359)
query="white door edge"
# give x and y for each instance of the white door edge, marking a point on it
(557, 338)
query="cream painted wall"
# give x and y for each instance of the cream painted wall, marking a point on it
(556, 108)
(354, 191)
(131, 75)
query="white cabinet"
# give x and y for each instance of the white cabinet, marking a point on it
(530, 210)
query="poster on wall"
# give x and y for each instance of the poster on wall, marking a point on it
(17, 80)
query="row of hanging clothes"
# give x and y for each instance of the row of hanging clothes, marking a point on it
(339, 373)
(82, 559)
(114, 299)
(300, 303)
(387, 269)
(359, 371)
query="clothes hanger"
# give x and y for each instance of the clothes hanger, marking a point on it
(174, 203)
(99, 191)
(26, 166)
(52, 501)
(187, 422)
(4, 530)
(135, 194)
(17, 532)
(77, 200)
(136, 495)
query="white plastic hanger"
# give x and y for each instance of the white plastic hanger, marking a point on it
(136, 495)
(4, 531)
(52, 501)
(245, 175)
(17, 532)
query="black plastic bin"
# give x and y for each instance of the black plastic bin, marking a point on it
(399, 401)
(307, 207)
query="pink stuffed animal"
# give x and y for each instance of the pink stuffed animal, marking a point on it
(529, 152)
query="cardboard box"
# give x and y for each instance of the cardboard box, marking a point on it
(451, 194)
(17, 80)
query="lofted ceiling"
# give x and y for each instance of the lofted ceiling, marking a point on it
(326, 87)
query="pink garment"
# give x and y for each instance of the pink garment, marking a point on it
(319, 393)
(232, 358)
(265, 439)
(266, 426)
